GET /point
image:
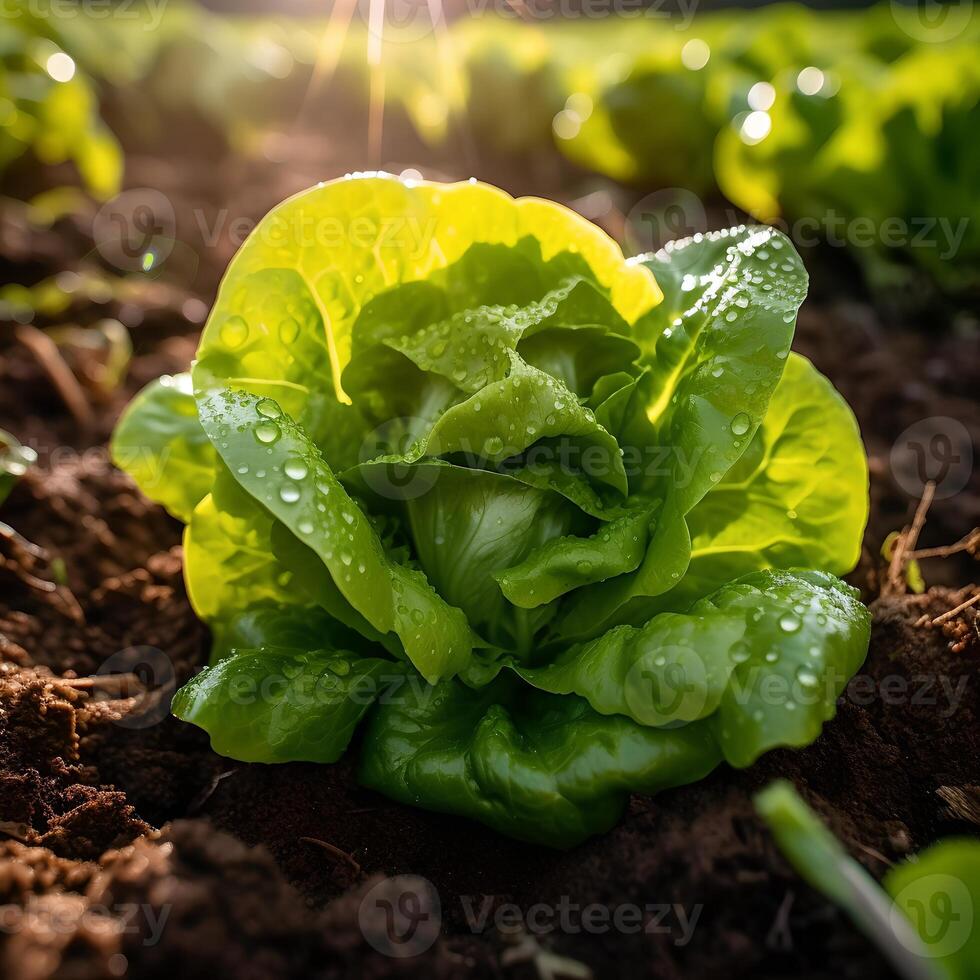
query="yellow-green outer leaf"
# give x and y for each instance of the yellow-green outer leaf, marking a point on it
(343, 242)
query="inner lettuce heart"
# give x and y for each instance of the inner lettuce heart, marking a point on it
(545, 526)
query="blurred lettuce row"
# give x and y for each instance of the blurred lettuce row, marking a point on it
(49, 103)
(547, 526)
(855, 126)
(840, 123)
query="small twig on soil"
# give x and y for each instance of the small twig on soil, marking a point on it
(335, 851)
(956, 610)
(780, 936)
(877, 855)
(38, 584)
(62, 377)
(905, 543)
(34, 550)
(549, 966)
(62, 593)
(208, 790)
(118, 683)
(965, 543)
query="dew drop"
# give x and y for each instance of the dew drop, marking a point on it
(789, 622)
(741, 424)
(288, 330)
(305, 527)
(807, 677)
(295, 469)
(289, 493)
(234, 331)
(267, 408)
(267, 432)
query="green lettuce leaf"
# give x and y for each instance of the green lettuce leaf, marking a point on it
(718, 346)
(160, 443)
(541, 768)
(275, 462)
(285, 705)
(442, 437)
(797, 498)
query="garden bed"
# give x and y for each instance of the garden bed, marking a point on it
(127, 841)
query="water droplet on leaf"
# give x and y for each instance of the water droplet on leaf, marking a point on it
(267, 432)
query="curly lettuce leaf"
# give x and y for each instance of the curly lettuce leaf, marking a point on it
(540, 768)
(159, 442)
(569, 562)
(765, 656)
(798, 662)
(758, 665)
(718, 345)
(797, 498)
(471, 524)
(318, 258)
(285, 705)
(275, 462)
(229, 563)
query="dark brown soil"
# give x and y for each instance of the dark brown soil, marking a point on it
(129, 846)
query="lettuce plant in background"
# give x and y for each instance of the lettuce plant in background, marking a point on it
(48, 105)
(549, 526)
